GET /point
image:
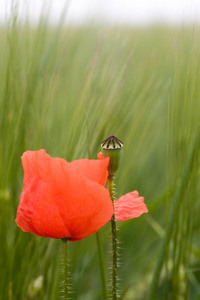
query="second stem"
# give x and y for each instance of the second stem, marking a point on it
(114, 241)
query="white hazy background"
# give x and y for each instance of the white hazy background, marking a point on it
(122, 12)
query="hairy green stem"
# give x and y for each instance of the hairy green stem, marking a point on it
(114, 242)
(66, 286)
(102, 264)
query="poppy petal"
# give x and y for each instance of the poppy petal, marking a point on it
(100, 156)
(25, 209)
(129, 206)
(35, 165)
(36, 198)
(38, 212)
(94, 170)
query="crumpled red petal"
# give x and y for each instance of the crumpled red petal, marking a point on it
(129, 206)
(94, 170)
(62, 199)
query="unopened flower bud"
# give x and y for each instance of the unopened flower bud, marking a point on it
(113, 148)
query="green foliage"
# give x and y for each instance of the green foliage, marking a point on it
(66, 90)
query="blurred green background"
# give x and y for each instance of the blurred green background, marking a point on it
(66, 90)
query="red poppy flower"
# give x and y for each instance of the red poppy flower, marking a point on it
(62, 199)
(128, 206)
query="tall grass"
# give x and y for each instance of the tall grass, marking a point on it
(59, 89)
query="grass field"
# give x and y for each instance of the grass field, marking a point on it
(66, 90)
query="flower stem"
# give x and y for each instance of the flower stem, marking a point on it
(114, 242)
(66, 286)
(102, 264)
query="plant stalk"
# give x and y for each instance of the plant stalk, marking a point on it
(114, 242)
(66, 285)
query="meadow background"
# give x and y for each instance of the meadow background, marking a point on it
(66, 90)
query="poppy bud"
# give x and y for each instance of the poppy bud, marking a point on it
(113, 148)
